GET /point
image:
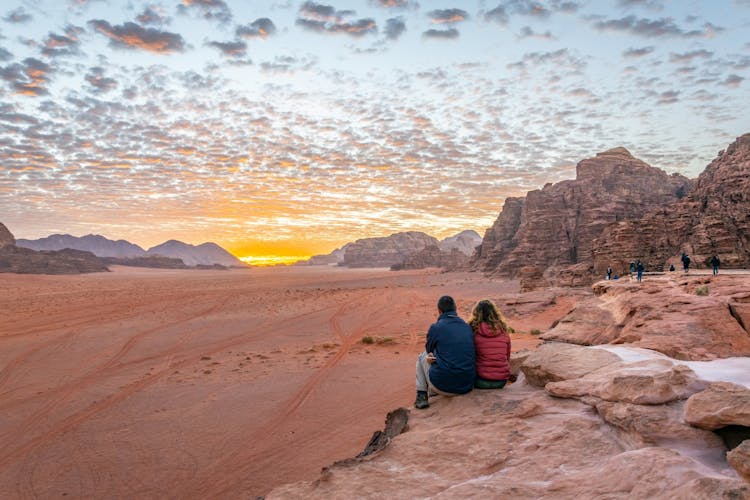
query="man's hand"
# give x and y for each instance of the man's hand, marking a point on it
(431, 358)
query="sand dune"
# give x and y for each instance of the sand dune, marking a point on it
(194, 384)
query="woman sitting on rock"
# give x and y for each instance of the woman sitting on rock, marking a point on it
(492, 346)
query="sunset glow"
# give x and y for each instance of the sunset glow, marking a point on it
(286, 129)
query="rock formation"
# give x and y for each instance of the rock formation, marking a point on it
(664, 314)
(334, 258)
(94, 243)
(386, 251)
(713, 218)
(610, 421)
(550, 233)
(465, 242)
(6, 237)
(434, 256)
(194, 255)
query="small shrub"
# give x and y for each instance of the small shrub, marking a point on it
(367, 340)
(535, 331)
(702, 291)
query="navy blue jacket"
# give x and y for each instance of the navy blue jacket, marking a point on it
(451, 340)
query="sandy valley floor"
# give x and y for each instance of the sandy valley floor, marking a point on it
(195, 384)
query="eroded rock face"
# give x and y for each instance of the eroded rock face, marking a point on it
(554, 362)
(711, 219)
(554, 228)
(433, 256)
(739, 458)
(663, 314)
(720, 405)
(6, 237)
(387, 251)
(24, 261)
(648, 382)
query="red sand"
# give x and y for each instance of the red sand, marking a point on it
(194, 384)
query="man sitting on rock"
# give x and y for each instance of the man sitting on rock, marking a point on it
(447, 365)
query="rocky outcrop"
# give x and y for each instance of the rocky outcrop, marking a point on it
(152, 261)
(524, 442)
(194, 255)
(663, 313)
(94, 243)
(334, 258)
(6, 237)
(553, 229)
(434, 256)
(19, 260)
(712, 219)
(465, 242)
(387, 251)
(720, 405)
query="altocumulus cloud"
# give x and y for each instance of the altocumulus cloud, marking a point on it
(28, 78)
(442, 16)
(448, 34)
(211, 9)
(230, 49)
(326, 19)
(134, 36)
(664, 27)
(260, 28)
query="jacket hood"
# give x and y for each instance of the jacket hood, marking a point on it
(486, 331)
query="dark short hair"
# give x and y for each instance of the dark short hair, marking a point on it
(446, 304)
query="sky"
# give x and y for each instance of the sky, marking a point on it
(282, 129)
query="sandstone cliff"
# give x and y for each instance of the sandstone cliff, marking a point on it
(434, 256)
(714, 218)
(387, 251)
(6, 237)
(554, 228)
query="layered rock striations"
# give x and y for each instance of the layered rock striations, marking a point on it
(6, 237)
(386, 251)
(712, 219)
(551, 232)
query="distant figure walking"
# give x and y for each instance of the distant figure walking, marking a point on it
(632, 269)
(715, 263)
(447, 365)
(685, 262)
(639, 268)
(492, 345)
(609, 273)
(671, 268)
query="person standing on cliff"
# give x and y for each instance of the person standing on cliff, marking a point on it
(632, 270)
(639, 269)
(447, 364)
(609, 273)
(715, 262)
(685, 262)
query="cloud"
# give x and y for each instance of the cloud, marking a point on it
(732, 81)
(639, 52)
(687, 57)
(230, 49)
(152, 15)
(287, 64)
(394, 28)
(260, 28)
(326, 19)
(448, 34)
(442, 16)
(99, 83)
(498, 15)
(134, 36)
(5, 55)
(212, 9)
(18, 15)
(668, 97)
(395, 4)
(528, 32)
(27, 78)
(664, 27)
(649, 4)
(501, 14)
(63, 45)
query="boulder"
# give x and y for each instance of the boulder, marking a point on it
(648, 382)
(739, 458)
(720, 405)
(552, 362)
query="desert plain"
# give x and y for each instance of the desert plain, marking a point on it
(146, 383)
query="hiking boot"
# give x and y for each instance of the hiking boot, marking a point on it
(421, 403)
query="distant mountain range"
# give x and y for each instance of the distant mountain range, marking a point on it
(205, 254)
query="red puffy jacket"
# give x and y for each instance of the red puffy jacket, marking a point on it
(493, 353)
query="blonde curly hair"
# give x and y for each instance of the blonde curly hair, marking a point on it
(486, 312)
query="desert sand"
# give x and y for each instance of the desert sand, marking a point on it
(144, 383)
